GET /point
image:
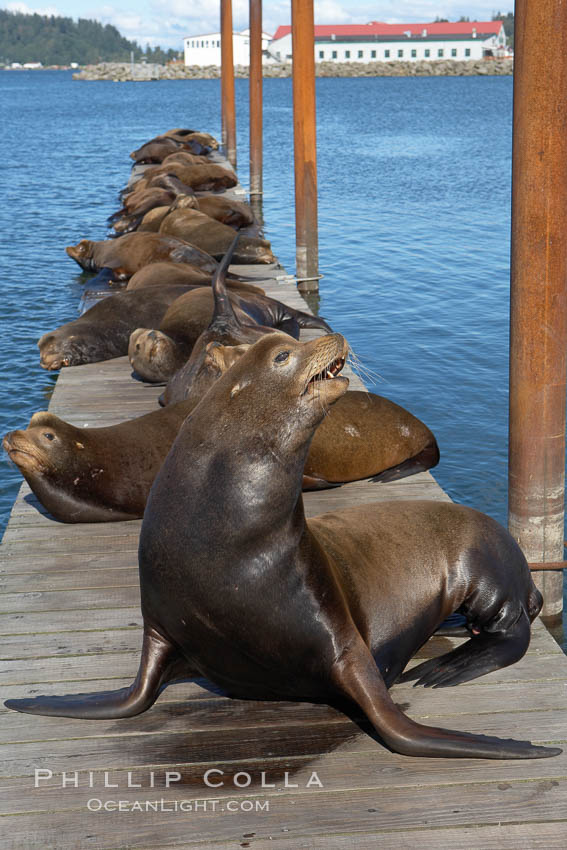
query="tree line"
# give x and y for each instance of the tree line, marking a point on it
(59, 41)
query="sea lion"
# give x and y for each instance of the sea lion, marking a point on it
(197, 143)
(156, 149)
(103, 331)
(182, 274)
(201, 178)
(166, 274)
(133, 251)
(214, 237)
(94, 474)
(237, 586)
(234, 213)
(105, 474)
(237, 317)
(159, 181)
(148, 219)
(186, 158)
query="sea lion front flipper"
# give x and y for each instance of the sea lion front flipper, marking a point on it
(483, 653)
(158, 659)
(356, 674)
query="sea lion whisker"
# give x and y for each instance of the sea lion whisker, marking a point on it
(363, 371)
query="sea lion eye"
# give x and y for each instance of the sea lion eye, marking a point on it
(281, 357)
(49, 436)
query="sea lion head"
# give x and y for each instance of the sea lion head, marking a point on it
(262, 252)
(185, 202)
(48, 444)
(65, 468)
(282, 387)
(82, 253)
(63, 347)
(153, 355)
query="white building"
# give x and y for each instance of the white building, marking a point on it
(378, 42)
(206, 49)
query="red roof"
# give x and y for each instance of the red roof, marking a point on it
(378, 28)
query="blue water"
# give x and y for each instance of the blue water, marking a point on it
(414, 218)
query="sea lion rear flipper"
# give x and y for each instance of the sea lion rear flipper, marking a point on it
(426, 459)
(483, 653)
(314, 482)
(289, 326)
(357, 676)
(159, 657)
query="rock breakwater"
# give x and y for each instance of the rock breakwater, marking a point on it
(125, 71)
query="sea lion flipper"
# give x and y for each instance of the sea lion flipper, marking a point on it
(482, 654)
(159, 657)
(359, 678)
(316, 482)
(289, 326)
(426, 459)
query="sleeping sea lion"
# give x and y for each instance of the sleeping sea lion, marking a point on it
(214, 237)
(201, 178)
(234, 213)
(237, 586)
(133, 251)
(103, 331)
(150, 220)
(105, 474)
(167, 274)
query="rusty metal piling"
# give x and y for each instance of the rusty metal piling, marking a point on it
(305, 145)
(228, 111)
(538, 317)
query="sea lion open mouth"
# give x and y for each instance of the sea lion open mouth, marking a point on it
(328, 363)
(330, 371)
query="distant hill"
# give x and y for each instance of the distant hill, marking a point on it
(60, 41)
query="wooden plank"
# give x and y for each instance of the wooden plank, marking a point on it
(535, 836)
(42, 622)
(318, 813)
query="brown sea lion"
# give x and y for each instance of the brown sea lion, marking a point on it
(234, 213)
(155, 151)
(158, 152)
(186, 158)
(159, 181)
(103, 331)
(150, 221)
(94, 474)
(201, 178)
(105, 474)
(213, 237)
(136, 206)
(166, 274)
(181, 274)
(133, 251)
(239, 587)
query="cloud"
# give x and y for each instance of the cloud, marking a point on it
(24, 9)
(167, 22)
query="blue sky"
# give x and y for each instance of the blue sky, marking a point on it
(166, 22)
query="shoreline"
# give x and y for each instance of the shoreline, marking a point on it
(125, 72)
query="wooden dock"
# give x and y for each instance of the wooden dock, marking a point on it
(70, 623)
